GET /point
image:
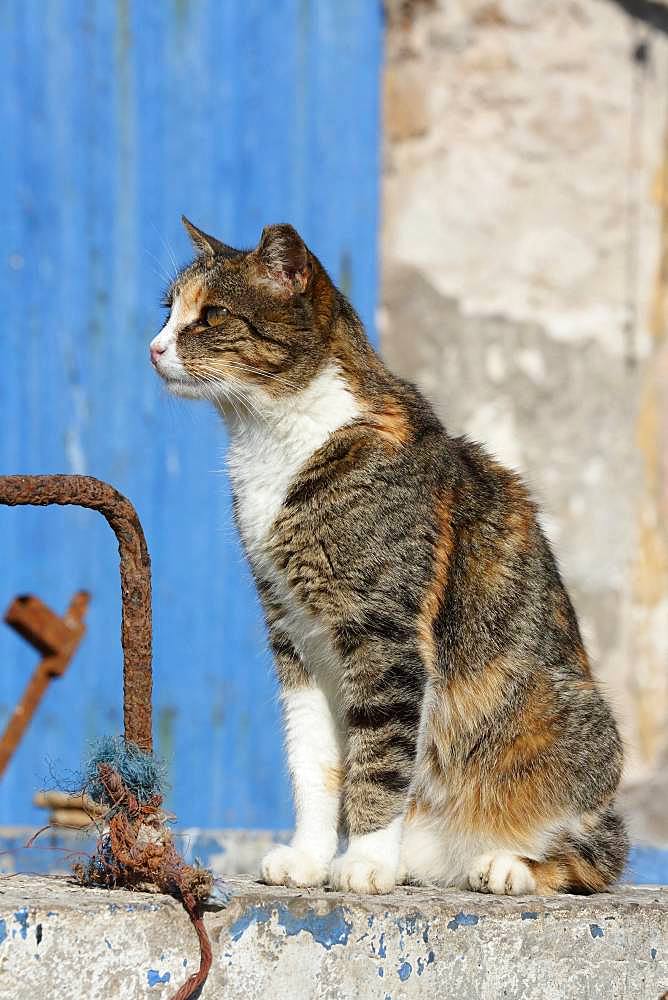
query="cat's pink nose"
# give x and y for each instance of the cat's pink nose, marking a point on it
(156, 351)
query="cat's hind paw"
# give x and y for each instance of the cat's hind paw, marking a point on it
(294, 867)
(501, 873)
(355, 873)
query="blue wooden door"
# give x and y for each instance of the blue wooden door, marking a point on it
(116, 118)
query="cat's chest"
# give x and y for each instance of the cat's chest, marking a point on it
(261, 476)
(267, 454)
(264, 460)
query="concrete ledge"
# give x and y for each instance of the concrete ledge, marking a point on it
(60, 941)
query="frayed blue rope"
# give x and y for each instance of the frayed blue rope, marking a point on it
(142, 773)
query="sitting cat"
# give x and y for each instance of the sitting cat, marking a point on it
(438, 702)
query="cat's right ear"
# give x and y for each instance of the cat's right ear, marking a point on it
(205, 244)
(284, 258)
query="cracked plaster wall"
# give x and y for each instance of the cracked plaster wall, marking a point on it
(525, 288)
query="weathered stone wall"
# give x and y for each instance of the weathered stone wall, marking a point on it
(525, 270)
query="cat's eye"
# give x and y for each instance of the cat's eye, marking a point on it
(213, 315)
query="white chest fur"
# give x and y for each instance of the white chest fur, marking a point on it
(268, 450)
(265, 456)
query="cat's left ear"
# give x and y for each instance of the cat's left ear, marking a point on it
(207, 245)
(285, 258)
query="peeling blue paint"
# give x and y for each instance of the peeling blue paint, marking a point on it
(108, 943)
(21, 917)
(463, 920)
(595, 931)
(431, 958)
(652, 952)
(154, 978)
(381, 971)
(420, 966)
(404, 971)
(369, 921)
(193, 59)
(407, 925)
(3, 930)
(382, 950)
(38, 934)
(529, 915)
(425, 933)
(327, 929)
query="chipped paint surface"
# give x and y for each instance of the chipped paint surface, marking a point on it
(463, 920)
(327, 929)
(94, 185)
(316, 945)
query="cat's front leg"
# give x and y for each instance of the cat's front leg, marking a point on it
(314, 762)
(384, 687)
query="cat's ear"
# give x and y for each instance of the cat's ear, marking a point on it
(284, 257)
(205, 244)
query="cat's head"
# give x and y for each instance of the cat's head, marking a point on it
(243, 322)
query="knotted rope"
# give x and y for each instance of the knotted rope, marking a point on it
(136, 851)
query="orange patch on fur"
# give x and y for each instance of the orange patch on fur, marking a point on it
(432, 600)
(583, 661)
(464, 702)
(389, 419)
(333, 778)
(571, 873)
(493, 780)
(193, 296)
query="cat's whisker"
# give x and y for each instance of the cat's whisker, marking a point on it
(232, 390)
(160, 272)
(258, 371)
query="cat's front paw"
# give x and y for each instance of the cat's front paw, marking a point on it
(292, 866)
(502, 873)
(356, 873)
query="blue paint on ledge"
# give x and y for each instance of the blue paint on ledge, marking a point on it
(404, 971)
(327, 929)
(3, 930)
(21, 917)
(595, 931)
(154, 978)
(529, 915)
(462, 919)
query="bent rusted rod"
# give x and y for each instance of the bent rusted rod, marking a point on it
(85, 491)
(57, 639)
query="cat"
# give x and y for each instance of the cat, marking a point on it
(438, 702)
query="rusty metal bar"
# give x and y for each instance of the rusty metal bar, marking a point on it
(56, 639)
(135, 566)
(43, 628)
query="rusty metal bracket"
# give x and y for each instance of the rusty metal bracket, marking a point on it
(56, 639)
(135, 567)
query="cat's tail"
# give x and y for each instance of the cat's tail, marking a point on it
(588, 861)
